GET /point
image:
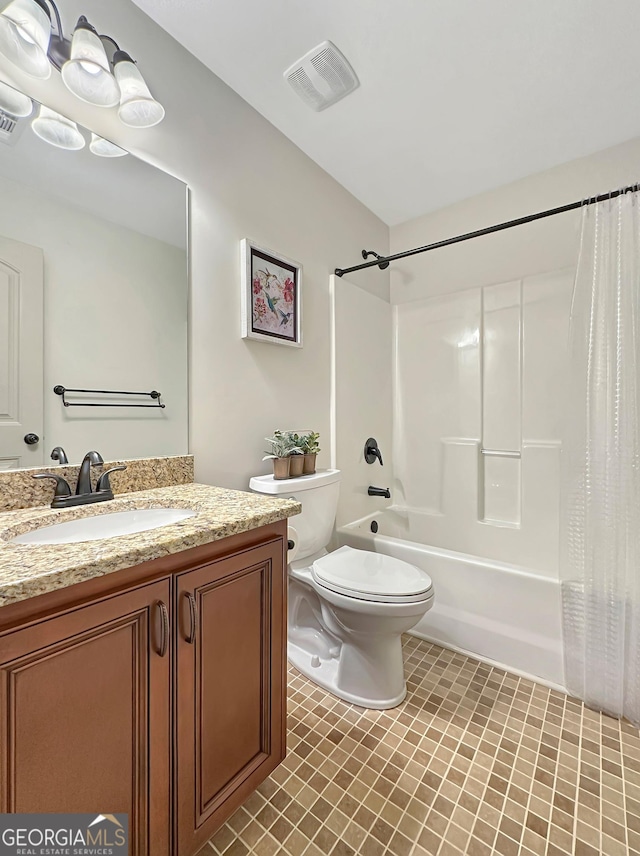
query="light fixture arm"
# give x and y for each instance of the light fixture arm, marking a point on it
(56, 13)
(43, 5)
(59, 47)
(111, 47)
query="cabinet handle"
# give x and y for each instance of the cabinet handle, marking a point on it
(193, 618)
(164, 637)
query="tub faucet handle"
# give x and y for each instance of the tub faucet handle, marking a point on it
(371, 451)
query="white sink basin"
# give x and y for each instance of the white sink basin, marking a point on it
(104, 526)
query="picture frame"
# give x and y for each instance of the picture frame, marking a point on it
(271, 296)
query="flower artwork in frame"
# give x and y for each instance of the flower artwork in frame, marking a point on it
(271, 297)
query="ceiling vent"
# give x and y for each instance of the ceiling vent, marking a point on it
(322, 77)
(10, 129)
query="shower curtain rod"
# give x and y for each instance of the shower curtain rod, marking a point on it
(384, 260)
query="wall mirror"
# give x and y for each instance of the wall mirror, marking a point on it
(93, 294)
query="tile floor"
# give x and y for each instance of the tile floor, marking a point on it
(475, 761)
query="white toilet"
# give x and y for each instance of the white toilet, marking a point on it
(347, 609)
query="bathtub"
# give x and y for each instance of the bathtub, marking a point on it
(506, 615)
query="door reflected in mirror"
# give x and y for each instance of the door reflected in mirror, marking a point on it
(93, 294)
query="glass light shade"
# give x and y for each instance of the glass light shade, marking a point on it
(104, 149)
(57, 130)
(25, 31)
(87, 72)
(138, 107)
(15, 103)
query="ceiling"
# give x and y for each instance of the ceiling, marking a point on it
(456, 96)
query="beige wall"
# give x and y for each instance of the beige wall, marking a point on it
(246, 180)
(528, 250)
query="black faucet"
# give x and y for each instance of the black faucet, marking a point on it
(59, 455)
(371, 451)
(84, 494)
(379, 491)
(84, 476)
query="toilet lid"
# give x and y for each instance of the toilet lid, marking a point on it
(371, 576)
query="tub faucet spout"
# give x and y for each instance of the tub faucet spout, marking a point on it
(379, 491)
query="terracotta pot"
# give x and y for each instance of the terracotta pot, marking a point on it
(281, 468)
(309, 464)
(296, 465)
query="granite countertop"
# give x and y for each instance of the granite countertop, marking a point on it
(27, 570)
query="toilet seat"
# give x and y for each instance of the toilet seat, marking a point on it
(375, 577)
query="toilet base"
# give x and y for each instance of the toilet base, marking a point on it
(324, 672)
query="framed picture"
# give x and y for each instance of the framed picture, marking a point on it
(271, 296)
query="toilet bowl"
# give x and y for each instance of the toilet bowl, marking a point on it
(347, 609)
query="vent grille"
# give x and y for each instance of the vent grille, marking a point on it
(329, 66)
(7, 123)
(322, 77)
(301, 83)
(10, 129)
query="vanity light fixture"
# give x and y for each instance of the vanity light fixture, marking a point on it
(92, 65)
(105, 149)
(14, 103)
(57, 130)
(138, 107)
(86, 73)
(25, 32)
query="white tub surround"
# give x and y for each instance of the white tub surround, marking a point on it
(479, 386)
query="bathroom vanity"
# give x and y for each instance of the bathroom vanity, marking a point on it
(145, 673)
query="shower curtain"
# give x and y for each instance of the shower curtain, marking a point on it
(600, 482)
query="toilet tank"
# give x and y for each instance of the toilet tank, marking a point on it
(318, 494)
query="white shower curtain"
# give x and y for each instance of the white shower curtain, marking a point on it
(600, 496)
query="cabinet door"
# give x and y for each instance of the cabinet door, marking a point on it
(230, 686)
(85, 704)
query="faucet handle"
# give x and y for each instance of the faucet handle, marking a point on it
(62, 485)
(103, 481)
(371, 451)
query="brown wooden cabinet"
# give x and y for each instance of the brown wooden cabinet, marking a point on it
(77, 734)
(229, 686)
(158, 691)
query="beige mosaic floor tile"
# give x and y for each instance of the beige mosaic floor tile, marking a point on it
(476, 761)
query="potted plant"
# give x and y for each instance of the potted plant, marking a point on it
(279, 454)
(310, 447)
(296, 454)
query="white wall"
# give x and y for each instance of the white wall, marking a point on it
(362, 360)
(247, 180)
(115, 318)
(481, 333)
